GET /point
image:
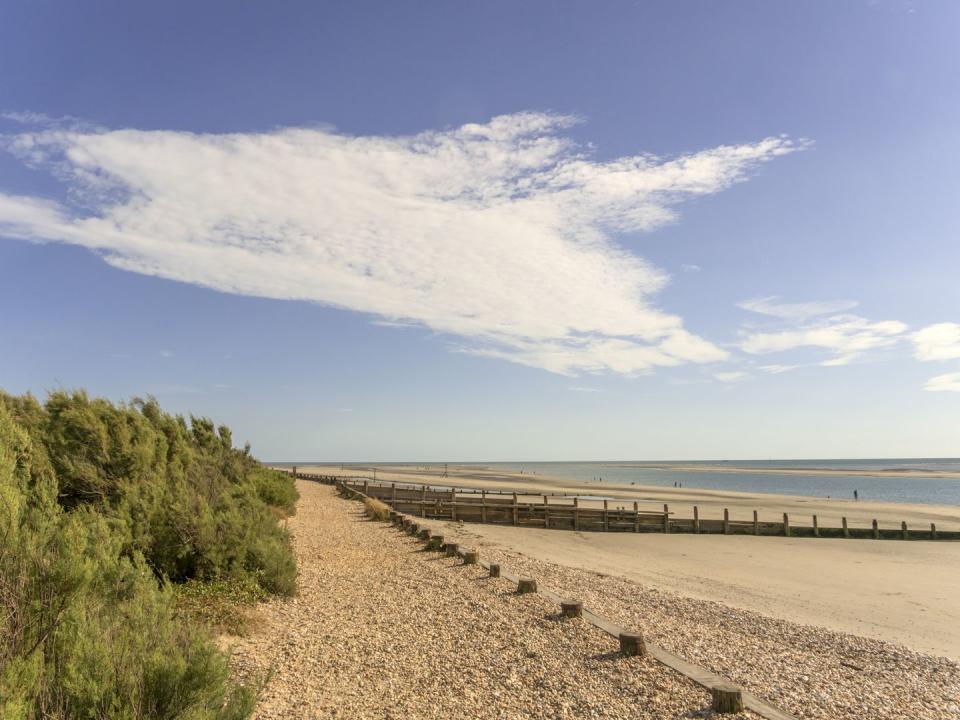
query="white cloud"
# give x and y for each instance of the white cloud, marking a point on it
(499, 233)
(729, 377)
(795, 311)
(944, 383)
(846, 336)
(778, 369)
(690, 268)
(937, 342)
(580, 388)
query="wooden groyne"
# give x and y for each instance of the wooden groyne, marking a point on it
(565, 512)
(726, 697)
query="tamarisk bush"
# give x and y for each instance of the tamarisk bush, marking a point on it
(103, 508)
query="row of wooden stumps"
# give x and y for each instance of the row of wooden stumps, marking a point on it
(725, 698)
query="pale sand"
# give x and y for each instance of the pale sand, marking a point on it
(902, 592)
(711, 503)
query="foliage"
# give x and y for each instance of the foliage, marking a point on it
(222, 605)
(103, 508)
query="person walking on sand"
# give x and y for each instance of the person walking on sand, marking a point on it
(856, 496)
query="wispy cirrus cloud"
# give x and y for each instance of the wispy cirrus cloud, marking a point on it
(501, 234)
(795, 311)
(804, 325)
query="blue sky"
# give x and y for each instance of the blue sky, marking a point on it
(491, 231)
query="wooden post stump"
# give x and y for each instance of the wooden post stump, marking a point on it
(632, 644)
(471, 557)
(786, 525)
(576, 513)
(546, 513)
(452, 549)
(526, 585)
(516, 515)
(696, 519)
(666, 518)
(904, 531)
(571, 608)
(933, 531)
(494, 569)
(846, 530)
(436, 543)
(876, 530)
(414, 528)
(726, 521)
(756, 523)
(636, 517)
(606, 517)
(727, 699)
(816, 527)
(425, 534)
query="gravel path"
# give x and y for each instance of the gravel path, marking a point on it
(809, 671)
(382, 629)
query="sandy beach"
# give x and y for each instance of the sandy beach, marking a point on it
(903, 592)
(711, 503)
(382, 629)
(836, 472)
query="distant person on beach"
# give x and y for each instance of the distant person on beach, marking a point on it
(856, 495)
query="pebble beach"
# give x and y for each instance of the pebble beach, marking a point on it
(382, 629)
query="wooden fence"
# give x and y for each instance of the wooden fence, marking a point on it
(563, 512)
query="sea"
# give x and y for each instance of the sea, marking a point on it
(931, 491)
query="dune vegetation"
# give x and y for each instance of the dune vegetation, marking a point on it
(107, 513)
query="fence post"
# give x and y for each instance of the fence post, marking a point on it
(816, 528)
(876, 530)
(726, 521)
(546, 513)
(423, 501)
(393, 493)
(696, 519)
(903, 529)
(933, 531)
(483, 506)
(366, 488)
(786, 525)
(576, 513)
(666, 518)
(636, 517)
(453, 505)
(516, 518)
(606, 517)
(756, 523)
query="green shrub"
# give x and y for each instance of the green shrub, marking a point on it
(102, 507)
